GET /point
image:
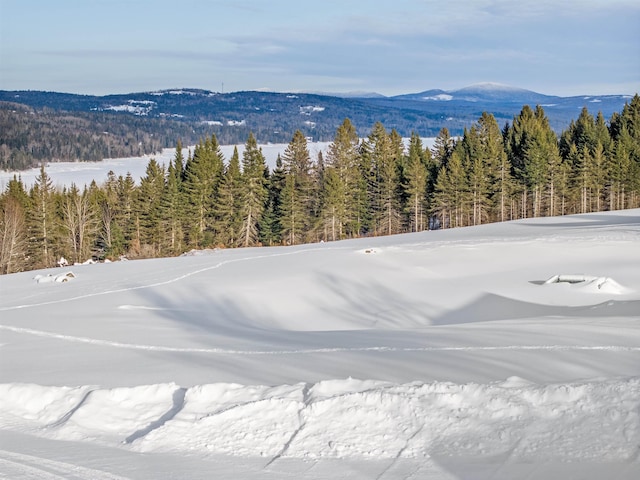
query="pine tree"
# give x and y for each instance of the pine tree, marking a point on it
(171, 211)
(499, 184)
(229, 202)
(202, 177)
(332, 204)
(276, 186)
(42, 226)
(442, 199)
(625, 131)
(149, 200)
(343, 158)
(620, 165)
(254, 190)
(125, 215)
(380, 165)
(532, 146)
(442, 148)
(415, 183)
(295, 219)
(602, 135)
(178, 161)
(476, 164)
(451, 195)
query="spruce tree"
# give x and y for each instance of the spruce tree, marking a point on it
(202, 176)
(456, 187)
(42, 226)
(229, 203)
(498, 169)
(620, 164)
(442, 149)
(295, 208)
(442, 201)
(149, 201)
(171, 211)
(381, 168)
(254, 192)
(343, 157)
(126, 197)
(415, 183)
(276, 186)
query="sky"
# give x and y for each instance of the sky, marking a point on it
(98, 47)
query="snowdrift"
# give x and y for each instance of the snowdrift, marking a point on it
(597, 420)
(588, 283)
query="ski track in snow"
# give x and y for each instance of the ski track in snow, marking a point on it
(28, 467)
(169, 281)
(223, 351)
(430, 244)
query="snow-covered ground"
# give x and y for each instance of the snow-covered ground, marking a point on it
(447, 354)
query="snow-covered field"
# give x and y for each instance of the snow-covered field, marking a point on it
(443, 355)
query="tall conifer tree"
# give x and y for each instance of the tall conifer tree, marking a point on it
(229, 203)
(295, 218)
(415, 186)
(255, 193)
(345, 200)
(202, 177)
(43, 225)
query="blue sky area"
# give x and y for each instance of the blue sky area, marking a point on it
(557, 47)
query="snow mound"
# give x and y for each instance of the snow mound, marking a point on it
(596, 420)
(588, 283)
(60, 278)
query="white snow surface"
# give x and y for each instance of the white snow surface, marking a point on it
(494, 352)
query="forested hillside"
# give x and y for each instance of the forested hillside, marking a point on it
(29, 137)
(38, 127)
(362, 187)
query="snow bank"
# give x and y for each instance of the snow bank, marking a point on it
(588, 284)
(596, 420)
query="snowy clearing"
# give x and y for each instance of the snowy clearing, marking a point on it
(494, 352)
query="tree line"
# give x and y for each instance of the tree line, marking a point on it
(360, 187)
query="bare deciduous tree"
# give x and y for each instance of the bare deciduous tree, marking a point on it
(13, 240)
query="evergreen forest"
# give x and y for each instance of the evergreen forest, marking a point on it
(359, 187)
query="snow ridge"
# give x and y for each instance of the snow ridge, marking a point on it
(343, 419)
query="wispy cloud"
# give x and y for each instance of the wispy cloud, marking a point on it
(411, 44)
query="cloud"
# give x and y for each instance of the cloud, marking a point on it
(330, 45)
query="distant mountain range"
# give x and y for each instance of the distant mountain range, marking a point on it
(273, 117)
